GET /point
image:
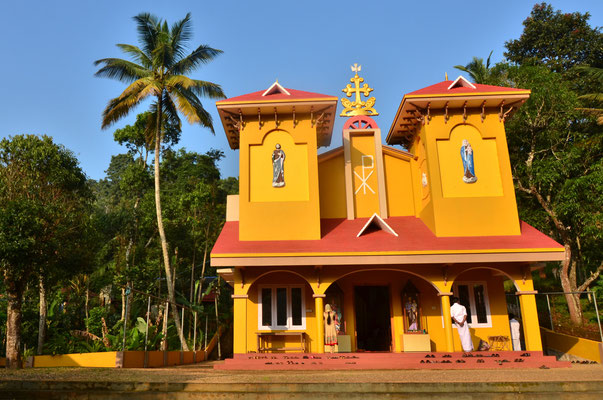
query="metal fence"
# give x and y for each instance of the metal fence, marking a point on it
(553, 312)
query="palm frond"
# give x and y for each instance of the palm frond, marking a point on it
(198, 87)
(138, 55)
(181, 33)
(132, 96)
(201, 55)
(147, 27)
(190, 105)
(171, 111)
(207, 89)
(122, 70)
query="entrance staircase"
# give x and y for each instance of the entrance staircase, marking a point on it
(359, 361)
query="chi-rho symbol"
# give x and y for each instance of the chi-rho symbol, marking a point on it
(367, 165)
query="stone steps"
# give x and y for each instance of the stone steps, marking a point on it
(293, 391)
(359, 361)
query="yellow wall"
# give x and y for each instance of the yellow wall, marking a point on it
(399, 186)
(291, 212)
(331, 179)
(498, 308)
(280, 278)
(487, 208)
(99, 360)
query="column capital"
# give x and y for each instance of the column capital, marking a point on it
(319, 296)
(445, 294)
(520, 292)
(239, 296)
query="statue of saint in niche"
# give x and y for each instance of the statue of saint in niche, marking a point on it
(278, 167)
(468, 167)
(412, 311)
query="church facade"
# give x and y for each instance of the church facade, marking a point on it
(361, 248)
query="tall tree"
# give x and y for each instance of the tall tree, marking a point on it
(159, 70)
(557, 40)
(44, 220)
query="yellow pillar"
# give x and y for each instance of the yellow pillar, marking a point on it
(445, 299)
(529, 320)
(320, 323)
(398, 318)
(240, 323)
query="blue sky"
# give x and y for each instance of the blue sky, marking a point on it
(49, 48)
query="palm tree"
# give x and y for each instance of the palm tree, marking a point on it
(158, 71)
(476, 69)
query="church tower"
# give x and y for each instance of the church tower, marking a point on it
(278, 132)
(455, 130)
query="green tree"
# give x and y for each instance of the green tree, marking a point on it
(557, 40)
(44, 220)
(556, 157)
(159, 70)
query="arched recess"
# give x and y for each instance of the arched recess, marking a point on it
(323, 290)
(452, 281)
(256, 279)
(295, 167)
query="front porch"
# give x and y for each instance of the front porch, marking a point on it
(374, 306)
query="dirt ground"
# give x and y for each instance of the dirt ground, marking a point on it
(204, 373)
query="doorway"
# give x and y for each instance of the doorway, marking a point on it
(373, 324)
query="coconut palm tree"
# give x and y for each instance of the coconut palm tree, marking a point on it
(158, 71)
(477, 70)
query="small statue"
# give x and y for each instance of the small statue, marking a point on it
(278, 167)
(411, 312)
(468, 167)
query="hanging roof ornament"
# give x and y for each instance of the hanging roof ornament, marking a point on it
(357, 107)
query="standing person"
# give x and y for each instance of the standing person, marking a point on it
(459, 316)
(515, 332)
(330, 330)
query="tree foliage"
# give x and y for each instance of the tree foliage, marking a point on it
(44, 220)
(557, 40)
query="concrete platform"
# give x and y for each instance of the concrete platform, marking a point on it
(202, 381)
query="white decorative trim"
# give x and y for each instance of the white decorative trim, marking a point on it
(274, 325)
(380, 222)
(461, 81)
(239, 296)
(319, 296)
(276, 88)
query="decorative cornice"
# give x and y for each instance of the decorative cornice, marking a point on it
(239, 296)
(445, 294)
(319, 296)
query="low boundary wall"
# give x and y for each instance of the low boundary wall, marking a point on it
(122, 359)
(575, 346)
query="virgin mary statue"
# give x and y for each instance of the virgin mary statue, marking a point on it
(467, 157)
(278, 167)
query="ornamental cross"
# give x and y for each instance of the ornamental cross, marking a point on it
(357, 107)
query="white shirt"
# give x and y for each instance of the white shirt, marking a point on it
(458, 311)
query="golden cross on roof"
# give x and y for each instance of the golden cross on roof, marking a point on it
(357, 107)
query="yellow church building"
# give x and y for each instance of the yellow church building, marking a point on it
(368, 242)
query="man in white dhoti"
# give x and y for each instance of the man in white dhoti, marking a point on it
(515, 334)
(458, 313)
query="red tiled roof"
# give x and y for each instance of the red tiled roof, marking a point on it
(257, 96)
(442, 89)
(339, 236)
